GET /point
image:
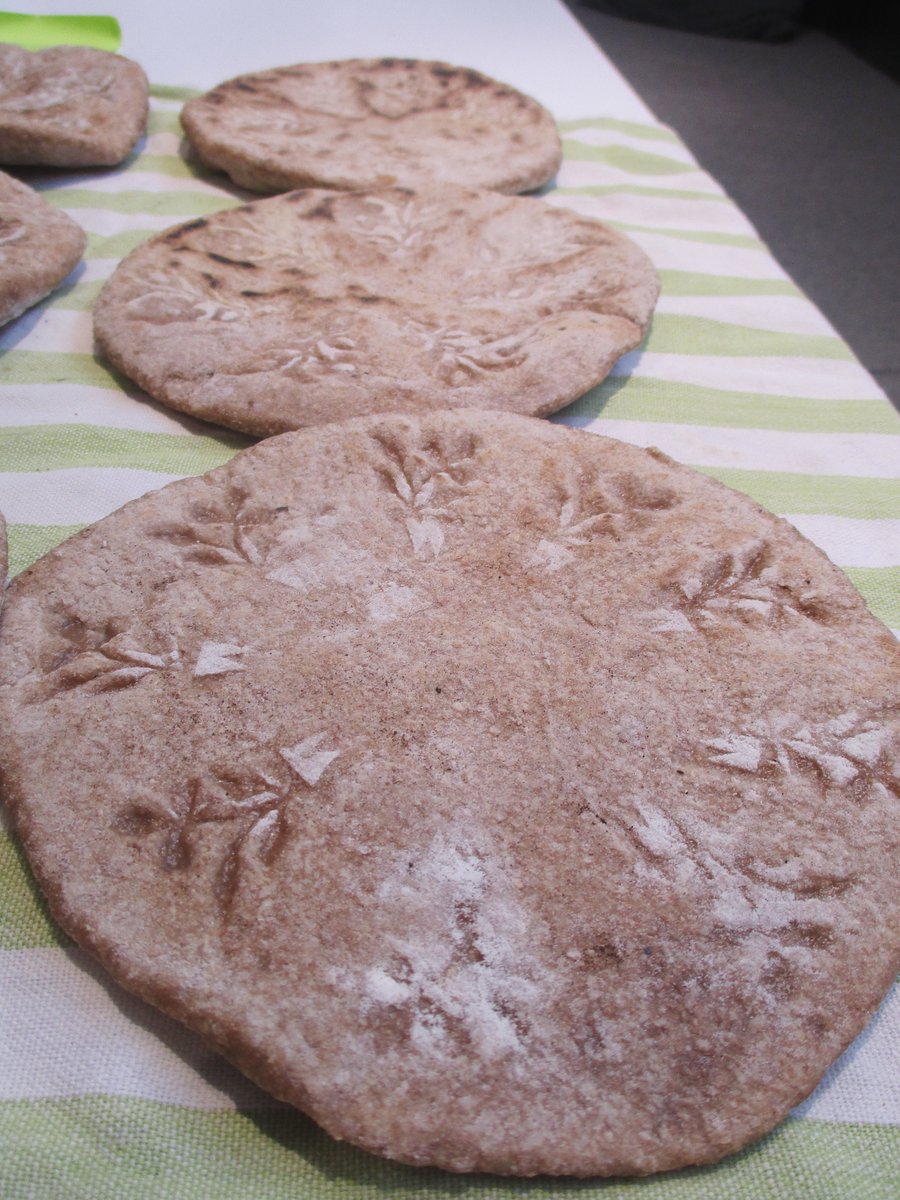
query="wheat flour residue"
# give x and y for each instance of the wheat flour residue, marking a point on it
(461, 973)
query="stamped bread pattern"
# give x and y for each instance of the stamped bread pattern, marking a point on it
(463, 975)
(67, 85)
(162, 297)
(219, 658)
(115, 664)
(246, 239)
(428, 476)
(458, 356)
(109, 659)
(590, 506)
(219, 531)
(271, 125)
(782, 914)
(313, 356)
(738, 585)
(397, 223)
(847, 751)
(253, 806)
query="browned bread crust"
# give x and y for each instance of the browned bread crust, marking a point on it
(364, 123)
(316, 306)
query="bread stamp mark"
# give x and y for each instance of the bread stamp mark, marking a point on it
(398, 226)
(740, 584)
(308, 758)
(778, 912)
(219, 532)
(112, 658)
(162, 298)
(553, 240)
(270, 123)
(219, 658)
(463, 974)
(254, 806)
(428, 479)
(11, 230)
(243, 238)
(67, 85)
(316, 355)
(105, 660)
(312, 563)
(590, 507)
(459, 355)
(847, 751)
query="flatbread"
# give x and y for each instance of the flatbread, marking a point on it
(366, 123)
(319, 305)
(39, 247)
(505, 797)
(69, 106)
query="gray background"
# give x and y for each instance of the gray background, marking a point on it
(805, 135)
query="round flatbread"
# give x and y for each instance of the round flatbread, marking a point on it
(69, 106)
(39, 246)
(367, 123)
(318, 305)
(506, 797)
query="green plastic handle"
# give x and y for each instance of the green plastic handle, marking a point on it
(36, 33)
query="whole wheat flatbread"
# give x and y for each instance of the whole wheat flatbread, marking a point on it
(39, 246)
(317, 305)
(365, 123)
(69, 106)
(506, 797)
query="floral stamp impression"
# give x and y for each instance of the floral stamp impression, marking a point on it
(319, 305)
(524, 777)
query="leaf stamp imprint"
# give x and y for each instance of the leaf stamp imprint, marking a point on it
(428, 479)
(253, 806)
(737, 585)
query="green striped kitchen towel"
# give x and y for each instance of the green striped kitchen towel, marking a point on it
(102, 1098)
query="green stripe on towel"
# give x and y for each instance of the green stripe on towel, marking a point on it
(56, 447)
(713, 237)
(116, 245)
(28, 543)
(643, 398)
(639, 129)
(25, 921)
(831, 495)
(626, 158)
(48, 366)
(696, 283)
(175, 204)
(636, 189)
(881, 588)
(675, 333)
(105, 1148)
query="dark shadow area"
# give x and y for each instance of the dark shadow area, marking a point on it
(179, 1041)
(19, 327)
(802, 134)
(870, 28)
(349, 1166)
